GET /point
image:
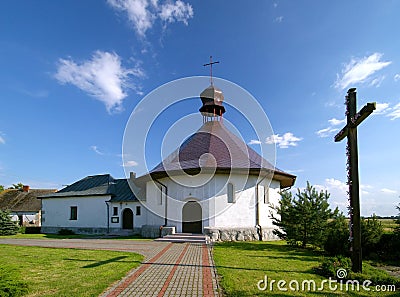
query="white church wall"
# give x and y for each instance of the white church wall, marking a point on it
(155, 201)
(91, 213)
(241, 213)
(138, 220)
(182, 189)
(273, 198)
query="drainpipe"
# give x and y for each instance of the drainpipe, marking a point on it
(258, 226)
(166, 201)
(108, 216)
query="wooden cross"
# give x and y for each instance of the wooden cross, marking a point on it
(210, 64)
(350, 131)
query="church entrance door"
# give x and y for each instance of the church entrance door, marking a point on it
(191, 218)
(127, 219)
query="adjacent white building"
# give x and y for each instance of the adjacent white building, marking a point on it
(212, 184)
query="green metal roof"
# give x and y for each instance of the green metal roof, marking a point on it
(97, 185)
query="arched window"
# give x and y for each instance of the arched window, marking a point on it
(231, 193)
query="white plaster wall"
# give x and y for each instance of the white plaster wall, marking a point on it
(274, 198)
(241, 213)
(92, 212)
(155, 204)
(138, 221)
(216, 212)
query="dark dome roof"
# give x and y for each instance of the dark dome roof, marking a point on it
(214, 147)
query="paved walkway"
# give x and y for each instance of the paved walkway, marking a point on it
(169, 269)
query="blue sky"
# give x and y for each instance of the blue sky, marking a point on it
(71, 72)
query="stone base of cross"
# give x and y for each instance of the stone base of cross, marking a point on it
(354, 118)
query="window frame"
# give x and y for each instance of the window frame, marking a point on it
(73, 213)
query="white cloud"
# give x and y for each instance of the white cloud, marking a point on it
(326, 132)
(143, 13)
(102, 77)
(253, 141)
(395, 112)
(377, 81)
(278, 19)
(359, 70)
(336, 184)
(130, 163)
(331, 129)
(381, 108)
(2, 140)
(388, 191)
(396, 77)
(336, 122)
(288, 139)
(96, 150)
(176, 12)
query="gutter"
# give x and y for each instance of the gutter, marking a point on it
(108, 216)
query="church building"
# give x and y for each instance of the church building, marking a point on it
(213, 184)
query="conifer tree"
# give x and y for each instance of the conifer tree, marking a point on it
(303, 219)
(7, 226)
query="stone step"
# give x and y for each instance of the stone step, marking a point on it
(185, 237)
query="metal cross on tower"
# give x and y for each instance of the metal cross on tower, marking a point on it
(211, 64)
(350, 131)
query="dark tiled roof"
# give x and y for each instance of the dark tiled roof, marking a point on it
(97, 185)
(213, 146)
(19, 201)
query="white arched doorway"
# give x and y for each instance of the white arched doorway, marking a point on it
(191, 218)
(127, 219)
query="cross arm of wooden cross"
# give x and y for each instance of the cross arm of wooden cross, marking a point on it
(356, 120)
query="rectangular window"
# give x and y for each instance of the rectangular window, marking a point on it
(138, 210)
(266, 195)
(74, 213)
(115, 211)
(231, 193)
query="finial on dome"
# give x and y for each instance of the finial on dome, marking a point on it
(211, 64)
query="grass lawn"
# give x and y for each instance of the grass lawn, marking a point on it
(241, 265)
(67, 272)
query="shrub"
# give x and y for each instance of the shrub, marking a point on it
(389, 248)
(11, 283)
(371, 232)
(337, 237)
(32, 230)
(7, 226)
(66, 232)
(330, 266)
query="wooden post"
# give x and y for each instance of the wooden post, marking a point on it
(350, 130)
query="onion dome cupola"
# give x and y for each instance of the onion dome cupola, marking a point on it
(212, 98)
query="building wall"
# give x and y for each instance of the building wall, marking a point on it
(213, 198)
(92, 212)
(138, 220)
